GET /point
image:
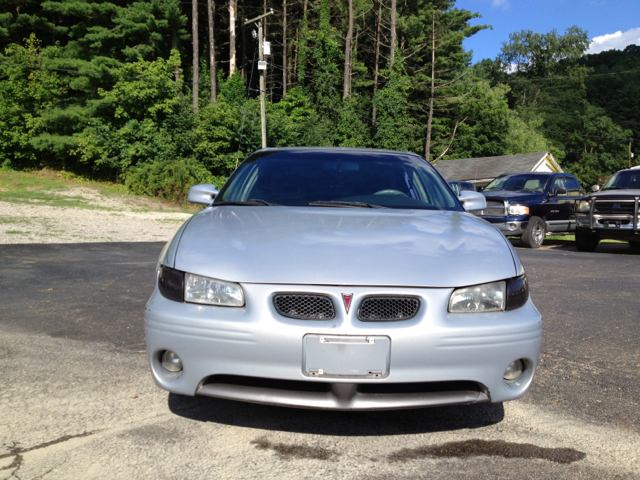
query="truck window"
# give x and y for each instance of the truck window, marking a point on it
(573, 188)
(559, 182)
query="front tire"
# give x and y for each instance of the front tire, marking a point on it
(534, 234)
(586, 242)
(634, 244)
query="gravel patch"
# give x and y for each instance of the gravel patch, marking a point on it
(102, 219)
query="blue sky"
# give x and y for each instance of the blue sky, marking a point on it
(613, 23)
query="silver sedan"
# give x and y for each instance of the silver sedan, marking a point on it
(343, 279)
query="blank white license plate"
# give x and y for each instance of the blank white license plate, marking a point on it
(346, 356)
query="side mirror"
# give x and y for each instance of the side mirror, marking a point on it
(472, 200)
(202, 194)
(595, 188)
(560, 191)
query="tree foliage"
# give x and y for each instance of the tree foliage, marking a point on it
(102, 88)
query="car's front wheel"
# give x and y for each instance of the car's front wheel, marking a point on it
(534, 234)
(634, 244)
(586, 242)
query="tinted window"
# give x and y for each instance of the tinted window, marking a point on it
(559, 183)
(573, 188)
(531, 182)
(303, 177)
(624, 179)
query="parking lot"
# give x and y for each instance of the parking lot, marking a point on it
(77, 399)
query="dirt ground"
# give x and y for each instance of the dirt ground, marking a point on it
(93, 217)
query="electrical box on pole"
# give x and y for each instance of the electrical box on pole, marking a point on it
(262, 67)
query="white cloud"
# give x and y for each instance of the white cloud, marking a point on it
(618, 40)
(497, 3)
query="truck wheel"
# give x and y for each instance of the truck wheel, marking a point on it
(534, 234)
(634, 244)
(586, 242)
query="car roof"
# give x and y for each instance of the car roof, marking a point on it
(336, 150)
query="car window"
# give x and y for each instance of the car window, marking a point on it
(559, 182)
(291, 177)
(623, 179)
(528, 182)
(573, 188)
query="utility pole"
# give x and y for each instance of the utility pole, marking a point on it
(262, 66)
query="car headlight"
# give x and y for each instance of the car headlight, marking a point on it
(210, 291)
(518, 210)
(490, 297)
(187, 287)
(584, 206)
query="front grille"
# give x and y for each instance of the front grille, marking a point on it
(304, 306)
(387, 308)
(493, 209)
(614, 208)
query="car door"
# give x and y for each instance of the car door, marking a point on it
(574, 194)
(559, 207)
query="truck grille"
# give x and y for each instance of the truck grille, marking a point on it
(493, 209)
(613, 207)
(304, 306)
(386, 308)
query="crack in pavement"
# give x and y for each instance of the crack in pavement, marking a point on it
(17, 452)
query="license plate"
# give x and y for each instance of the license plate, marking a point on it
(346, 356)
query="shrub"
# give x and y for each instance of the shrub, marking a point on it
(170, 180)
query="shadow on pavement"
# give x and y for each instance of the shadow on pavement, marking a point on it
(322, 422)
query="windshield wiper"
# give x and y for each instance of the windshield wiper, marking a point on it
(253, 202)
(343, 204)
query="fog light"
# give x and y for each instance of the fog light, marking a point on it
(513, 371)
(171, 361)
(512, 226)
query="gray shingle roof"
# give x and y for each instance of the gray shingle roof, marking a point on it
(488, 167)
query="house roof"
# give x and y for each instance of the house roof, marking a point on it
(470, 169)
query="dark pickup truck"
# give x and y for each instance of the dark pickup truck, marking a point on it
(529, 205)
(611, 212)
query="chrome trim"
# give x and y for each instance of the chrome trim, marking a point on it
(342, 396)
(559, 222)
(595, 222)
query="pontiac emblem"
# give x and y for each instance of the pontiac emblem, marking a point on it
(346, 298)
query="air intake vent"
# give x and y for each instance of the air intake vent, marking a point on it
(304, 306)
(493, 209)
(383, 308)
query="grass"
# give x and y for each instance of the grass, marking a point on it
(572, 238)
(48, 187)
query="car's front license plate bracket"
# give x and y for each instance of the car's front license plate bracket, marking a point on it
(346, 356)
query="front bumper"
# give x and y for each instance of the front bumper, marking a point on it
(509, 226)
(253, 354)
(610, 225)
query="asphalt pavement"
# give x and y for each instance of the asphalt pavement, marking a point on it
(77, 399)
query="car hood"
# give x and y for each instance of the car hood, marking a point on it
(616, 193)
(502, 195)
(340, 246)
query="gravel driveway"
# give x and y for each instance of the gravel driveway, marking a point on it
(98, 218)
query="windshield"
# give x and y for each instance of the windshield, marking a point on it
(528, 182)
(339, 179)
(625, 179)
